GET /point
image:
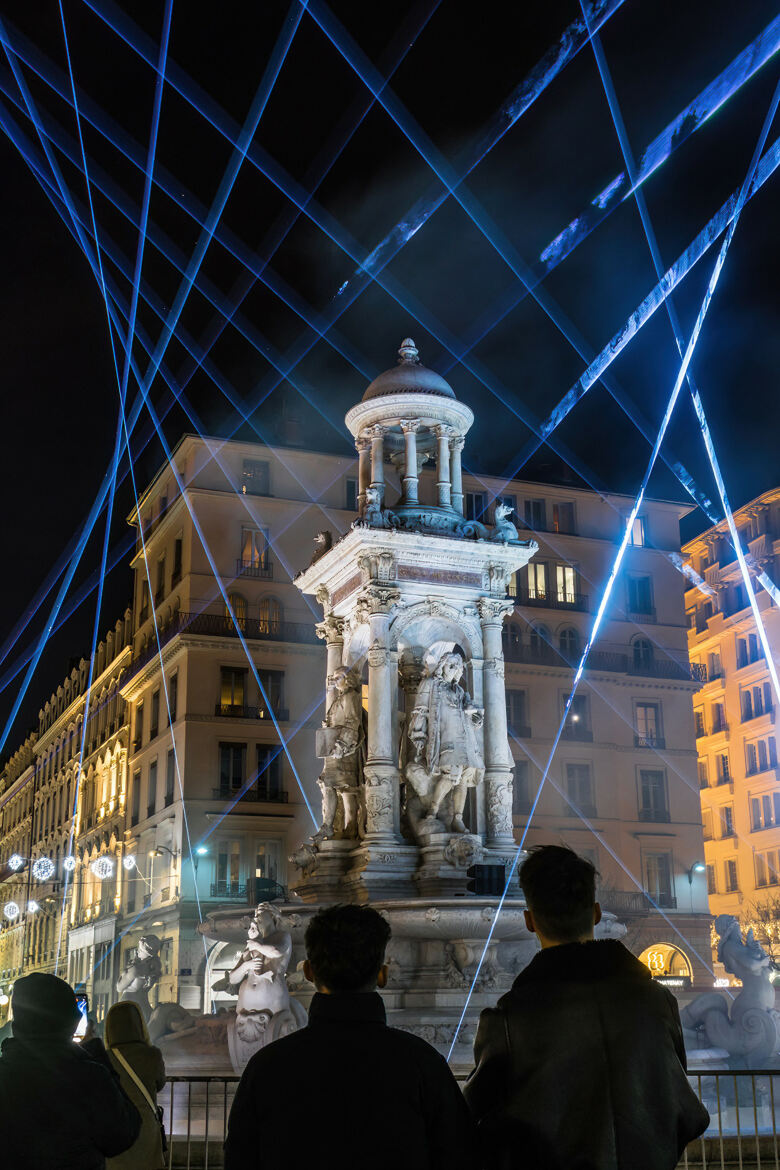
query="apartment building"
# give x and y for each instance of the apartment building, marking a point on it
(735, 712)
(208, 779)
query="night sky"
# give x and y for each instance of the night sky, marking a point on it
(456, 64)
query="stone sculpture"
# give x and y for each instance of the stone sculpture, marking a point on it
(445, 756)
(750, 1033)
(323, 542)
(264, 1011)
(142, 973)
(341, 743)
(502, 529)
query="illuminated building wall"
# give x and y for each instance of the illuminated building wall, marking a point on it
(735, 717)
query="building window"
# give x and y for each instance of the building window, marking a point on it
(658, 879)
(704, 781)
(765, 810)
(648, 725)
(177, 557)
(732, 880)
(350, 494)
(698, 718)
(767, 868)
(255, 553)
(228, 869)
(726, 820)
(236, 603)
(517, 712)
(577, 725)
(270, 612)
(139, 726)
(706, 823)
(718, 718)
(579, 788)
(640, 595)
(269, 772)
(723, 770)
(232, 691)
(173, 697)
(639, 533)
(159, 590)
(760, 755)
(563, 518)
(273, 686)
(539, 642)
(715, 668)
(474, 504)
(748, 650)
(267, 865)
(535, 515)
(653, 805)
(154, 714)
(569, 644)
(712, 887)
(151, 795)
(521, 797)
(256, 478)
(642, 649)
(537, 581)
(566, 584)
(232, 767)
(170, 777)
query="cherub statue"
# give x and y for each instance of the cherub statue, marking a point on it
(341, 743)
(142, 973)
(445, 755)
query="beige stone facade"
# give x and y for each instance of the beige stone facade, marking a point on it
(735, 716)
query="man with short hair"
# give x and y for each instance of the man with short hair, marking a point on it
(60, 1109)
(347, 1090)
(581, 1066)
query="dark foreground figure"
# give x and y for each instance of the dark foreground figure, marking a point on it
(581, 1066)
(347, 1091)
(59, 1109)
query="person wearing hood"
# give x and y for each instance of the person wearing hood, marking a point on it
(581, 1065)
(59, 1108)
(142, 1076)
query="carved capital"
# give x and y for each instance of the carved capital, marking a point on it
(442, 431)
(379, 566)
(363, 441)
(457, 443)
(410, 425)
(331, 629)
(380, 599)
(493, 609)
(377, 431)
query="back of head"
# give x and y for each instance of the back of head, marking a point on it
(44, 1008)
(346, 947)
(560, 891)
(125, 1025)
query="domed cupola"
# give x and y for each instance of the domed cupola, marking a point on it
(410, 416)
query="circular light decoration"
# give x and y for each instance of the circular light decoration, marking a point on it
(15, 861)
(102, 867)
(11, 910)
(32, 906)
(43, 869)
(128, 861)
(69, 863)
(3, 1000)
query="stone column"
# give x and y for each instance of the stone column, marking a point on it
(410, 427)
(443, 465)
(498, 760)
(377, 436)
(383, 818)
(331, 630)
(456, 446)
(363, 445)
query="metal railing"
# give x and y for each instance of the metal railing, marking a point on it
(744, 1110)
(621, 661)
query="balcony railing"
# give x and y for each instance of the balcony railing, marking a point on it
(577, 602)
(624, 902)
(649, 741)
(250, 569)
(236, 711)
(220, 626)
(621, 661)
(228, 890)
(659, 816)
(577, 731)
(265, 795)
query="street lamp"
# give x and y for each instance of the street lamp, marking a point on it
(697, 867)
(160, 849)
(198, 852)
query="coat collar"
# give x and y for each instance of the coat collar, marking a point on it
(359, 1007)
(598, 959)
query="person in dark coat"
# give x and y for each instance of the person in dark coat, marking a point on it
(581, 1066)
(59, 1108)
(347, 1090)
(127, 1042)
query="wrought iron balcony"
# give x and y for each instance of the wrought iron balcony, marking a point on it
(251, 569)
(649, 741)
(236, 711)
(228, 890)
(619, 660)
(577, 602)
(267, 794)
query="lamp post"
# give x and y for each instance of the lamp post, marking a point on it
(697, 867)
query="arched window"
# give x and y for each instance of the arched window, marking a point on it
(540, 641)
(643, 654)
(238, 605)
(270, 615)
(569, 644)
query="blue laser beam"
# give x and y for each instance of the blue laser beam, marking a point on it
(679, 380)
